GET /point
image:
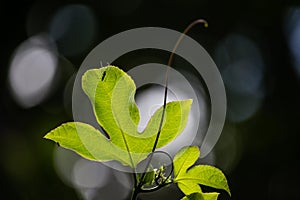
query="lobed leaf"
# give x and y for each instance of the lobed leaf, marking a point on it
(111, 92)
(188, 178)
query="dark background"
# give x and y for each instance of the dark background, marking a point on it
(259, 149)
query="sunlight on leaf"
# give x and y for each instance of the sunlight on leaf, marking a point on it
(188, 178)
(86, 141)
(111, 92)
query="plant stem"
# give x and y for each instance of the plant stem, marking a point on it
(138, 190)
(191, 25)
(135, 193)
(138, 185)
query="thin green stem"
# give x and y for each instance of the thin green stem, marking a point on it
(167, 74)
(166, 88)
(135, 193)
(130, 157)
(139, 185)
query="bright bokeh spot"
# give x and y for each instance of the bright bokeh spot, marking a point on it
(242, 68)
(89, 174)
(149, 100)
(64, 161)
(124, 179)
(32, 71)
(74, 28)
(292, 29)
(150, 80)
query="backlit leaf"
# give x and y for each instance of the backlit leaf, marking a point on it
(111, 92)
(188, 177)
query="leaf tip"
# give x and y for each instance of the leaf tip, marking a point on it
(47, 136)
(228, 191)
(189, 101)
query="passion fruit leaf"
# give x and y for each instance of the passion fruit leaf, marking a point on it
(188, 177)
(111, 92)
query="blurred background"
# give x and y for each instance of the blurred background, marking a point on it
(255, 44)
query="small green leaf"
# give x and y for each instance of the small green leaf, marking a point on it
(202, 196)
(149, 177)
(188, 178)
(209, 176)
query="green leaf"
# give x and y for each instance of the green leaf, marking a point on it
(112, 97)
(188, 178)
(202, 196)
(209, 176)
(111, 92)
(86, 141)
(189, 187)
(149, 177)
(184, 159)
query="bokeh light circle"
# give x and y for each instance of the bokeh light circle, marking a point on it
(74, 28)
(292, 32)
(242, 67)
(32, 70)
(179, 89)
